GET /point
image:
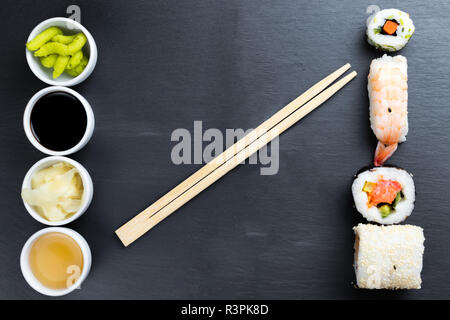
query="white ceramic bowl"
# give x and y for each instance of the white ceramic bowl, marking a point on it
(69, 27)
(35, 283)
(89, 125)
(85, 178)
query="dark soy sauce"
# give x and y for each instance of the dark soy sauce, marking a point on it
(58, 121)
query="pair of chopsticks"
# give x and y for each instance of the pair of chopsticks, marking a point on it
(230, 158)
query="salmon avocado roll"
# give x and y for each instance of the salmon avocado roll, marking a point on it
(384, 195)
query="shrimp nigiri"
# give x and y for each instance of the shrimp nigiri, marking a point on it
(388, 94)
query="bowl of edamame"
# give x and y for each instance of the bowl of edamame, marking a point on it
(60, 51)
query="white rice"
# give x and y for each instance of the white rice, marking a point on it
(403, 208)
(388, 257)
(387, 42)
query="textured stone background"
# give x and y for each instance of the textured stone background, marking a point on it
(231, 64)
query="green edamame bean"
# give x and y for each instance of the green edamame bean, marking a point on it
(60, 65)
(52, 48)
(79, 68)
(75, 60)
(63, 39)
(43, 38)
(78, 43)
(49, 61)
(62, 49)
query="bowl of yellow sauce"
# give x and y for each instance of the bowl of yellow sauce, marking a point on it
(55, 261)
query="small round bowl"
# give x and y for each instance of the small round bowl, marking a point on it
(29, 132)
(85, 178)
(35, 283)
(69, 27)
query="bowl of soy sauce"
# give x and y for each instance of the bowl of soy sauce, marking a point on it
(58, 121)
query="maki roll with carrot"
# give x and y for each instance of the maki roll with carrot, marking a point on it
(384, 195)
(390, 30)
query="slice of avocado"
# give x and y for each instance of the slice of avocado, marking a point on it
(385, 210)
(397, 199)
(368, 186)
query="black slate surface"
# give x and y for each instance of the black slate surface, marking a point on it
(231, 64)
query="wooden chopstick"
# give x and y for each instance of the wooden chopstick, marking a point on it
(231, 151)
(230, 158)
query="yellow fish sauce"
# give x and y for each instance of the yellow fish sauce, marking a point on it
(56, 260)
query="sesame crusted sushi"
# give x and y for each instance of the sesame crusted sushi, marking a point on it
(390, 30)
(388, 257)
(384, 195)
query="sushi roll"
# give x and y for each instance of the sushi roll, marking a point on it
(384, 195)
(388, 95)
(388, 257)
(390, 30)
